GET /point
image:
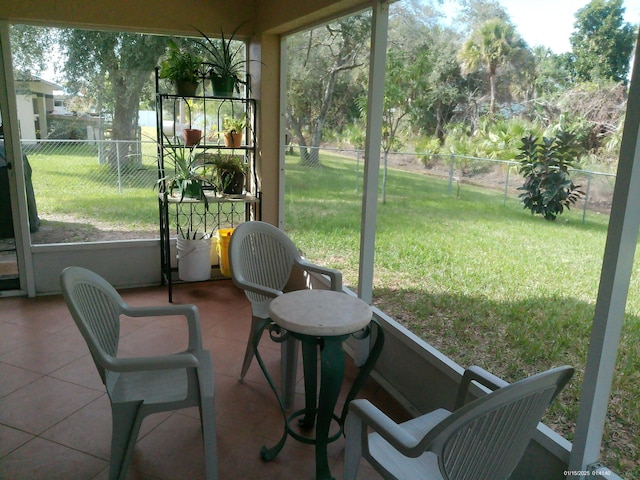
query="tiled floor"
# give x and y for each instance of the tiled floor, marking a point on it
(55, 420)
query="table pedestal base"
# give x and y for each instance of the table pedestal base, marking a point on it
(332, 366)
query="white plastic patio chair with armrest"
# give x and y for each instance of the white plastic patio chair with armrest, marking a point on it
(262, 260)
(484, 439)
(140, 386)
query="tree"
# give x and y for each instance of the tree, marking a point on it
(492, 45)
(437, 86)
(602, 42)
(548, 187)
(473, 13)
(318, 60)
(31, 47)
(394, 110)
(113, 68)
(550, 73)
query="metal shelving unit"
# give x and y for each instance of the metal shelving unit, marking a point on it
(206, 112)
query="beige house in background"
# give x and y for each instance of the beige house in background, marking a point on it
(35, 100)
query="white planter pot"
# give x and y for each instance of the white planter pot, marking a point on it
(194, 259)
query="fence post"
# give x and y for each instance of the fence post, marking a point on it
(118, 166)
(453, 158)
(586, 198)
(506, 184)
(357, 169)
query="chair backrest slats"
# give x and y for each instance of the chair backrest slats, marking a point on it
(487, 437)
(100, 315)
(95, 308)
(265, 256)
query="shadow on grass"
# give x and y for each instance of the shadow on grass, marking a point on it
(74, 231)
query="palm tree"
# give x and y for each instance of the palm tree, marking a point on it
(493, 44)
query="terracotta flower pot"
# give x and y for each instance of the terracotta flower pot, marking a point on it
(233, 139)
(192, 136)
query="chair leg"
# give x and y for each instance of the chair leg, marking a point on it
(248, 353)
(206, 405)
(353, 446)
(208, 419)
(288, 363)
(126, 421)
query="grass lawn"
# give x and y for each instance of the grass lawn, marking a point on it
(487, 284)
(70, 183)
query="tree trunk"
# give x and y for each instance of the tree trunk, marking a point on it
(439, 131)
(296, 126)
(313, 159)
(492, 85)
(384, 177)
(125, 153)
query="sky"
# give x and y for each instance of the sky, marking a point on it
(550, 22)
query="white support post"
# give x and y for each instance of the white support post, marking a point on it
(284, 66)
(375, 103)
(615, 277)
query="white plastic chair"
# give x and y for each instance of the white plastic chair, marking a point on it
(484, 439)
(263, 261)
(140, 386)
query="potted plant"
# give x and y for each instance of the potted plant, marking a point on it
(231, 170)
(232, 130)
(194, 255)
(227, 63)
(181, 68)
(184, 171)
(192, 136)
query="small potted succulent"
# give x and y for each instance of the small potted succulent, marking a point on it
(181, 68)
(233, 129)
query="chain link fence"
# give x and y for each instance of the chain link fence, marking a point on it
(93, 190)
(105, 189)
(499, 175)
(119, 164)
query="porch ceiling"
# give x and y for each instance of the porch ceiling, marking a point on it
(168, 16)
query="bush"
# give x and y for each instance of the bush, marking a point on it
(428, 149)
(69, 128)
(548, 187)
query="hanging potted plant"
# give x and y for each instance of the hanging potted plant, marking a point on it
(233, 129)
(182, 69)
(231, 171)
(227, 63)
(184, 171)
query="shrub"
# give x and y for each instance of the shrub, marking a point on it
(428, 149)
(548, 187)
